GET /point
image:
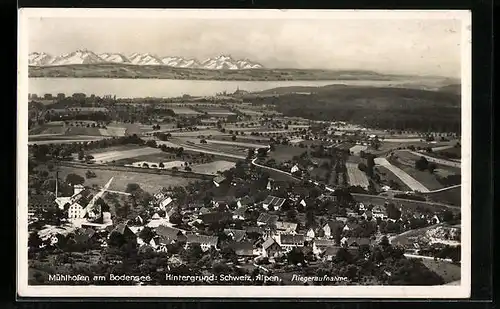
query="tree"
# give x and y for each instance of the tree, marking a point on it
(132, 187)
(393, 212)
(176, 218)
(431, 167)
(90, 174)
(34, 240)
(75, 179)
(161, 165)
(233, 138)
(146, 234)
(447, 216)
(291, 215)
(421, 164)
(295, 256)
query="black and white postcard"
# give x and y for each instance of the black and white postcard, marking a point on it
(244, 153)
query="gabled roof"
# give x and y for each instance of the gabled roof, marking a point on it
(289, 239)
(253, 229)
(268, 243)
(286, 226)
(167, 231)
(359, 241)
(332, 250)
(237, 235)
(215, 217)
(274, 201)
(202, 239)
(122, 228)
(156, 216)
(204, 210)
(241, 212)
(268, 219)
(324, 243)
(219, 179)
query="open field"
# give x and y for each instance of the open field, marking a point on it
(198, 133)
(149, 182)
(113, 148)
(153, 157)
(213, 167)
(48, 128)
(237, 144)
(407, 179)
(448, 271)
(356, 176)
(426, 178)
(357, 149)
(387, 176)
(82, 131)
(436, 160)
(196, 149)
(408, 204)
(250, 112)
(184, 111)
(109, 156)
(451, 196)
(284, 153)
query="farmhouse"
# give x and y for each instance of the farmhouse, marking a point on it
(167, 235)
(286, 227)
(75, 211)
(205, 242)
(289, 241)
(273, 202)
(270, 248)
(320, 245)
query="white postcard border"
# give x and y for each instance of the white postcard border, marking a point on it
(25, 290)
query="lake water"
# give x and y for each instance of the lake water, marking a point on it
(129, 88)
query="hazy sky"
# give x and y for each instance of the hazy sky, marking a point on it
(425, 47)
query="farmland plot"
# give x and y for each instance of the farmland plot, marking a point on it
(407, 179)
(213, 167)
(357, 149)
(356, 176)
(109, 156)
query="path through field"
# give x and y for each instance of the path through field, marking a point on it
(356, 176)
(407, 179)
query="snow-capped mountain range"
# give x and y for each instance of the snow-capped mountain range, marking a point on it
(222, 62)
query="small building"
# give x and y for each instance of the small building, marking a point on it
(270, 248)
(219, 180)
(272, 201)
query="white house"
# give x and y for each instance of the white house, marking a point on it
(294, 169)
(310, 234)
(75, 211)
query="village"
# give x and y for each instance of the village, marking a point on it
(238, 193)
